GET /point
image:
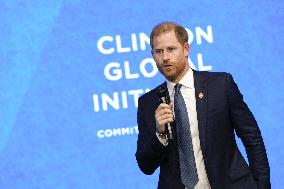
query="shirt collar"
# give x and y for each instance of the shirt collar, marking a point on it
(186, 81)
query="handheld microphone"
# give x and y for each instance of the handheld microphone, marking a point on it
(165, 98)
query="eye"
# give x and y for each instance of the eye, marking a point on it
(158, 51)
(170, 49)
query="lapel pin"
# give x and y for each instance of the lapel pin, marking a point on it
(200, 95)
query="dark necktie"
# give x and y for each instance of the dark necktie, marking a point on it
(189, 176)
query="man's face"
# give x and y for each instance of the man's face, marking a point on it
(170, 56)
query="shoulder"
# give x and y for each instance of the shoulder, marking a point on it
(152, 94)
(149, 101)
(207, 74)
(213, 77)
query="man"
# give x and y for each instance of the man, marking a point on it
(205, 110)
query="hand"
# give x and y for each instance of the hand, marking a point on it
(163, 114)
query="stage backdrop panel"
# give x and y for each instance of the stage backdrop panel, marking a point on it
(71, 73)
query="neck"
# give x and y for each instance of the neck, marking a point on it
(177, 80)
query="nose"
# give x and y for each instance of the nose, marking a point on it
(166, 56)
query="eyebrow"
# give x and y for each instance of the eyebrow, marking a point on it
(171, 46)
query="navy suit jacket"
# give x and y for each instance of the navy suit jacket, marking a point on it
(220, 112)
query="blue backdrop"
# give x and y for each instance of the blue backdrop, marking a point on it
(71, 73)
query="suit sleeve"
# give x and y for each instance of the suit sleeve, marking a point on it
(248, 131)
(150, 151)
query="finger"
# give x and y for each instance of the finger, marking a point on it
(162, 106)
(164, 121)
(165, 118)
(164, 111)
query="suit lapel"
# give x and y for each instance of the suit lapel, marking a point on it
(201, 105)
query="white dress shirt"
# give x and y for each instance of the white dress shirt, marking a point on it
(188, 93)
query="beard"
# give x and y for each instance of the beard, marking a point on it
(173, 71)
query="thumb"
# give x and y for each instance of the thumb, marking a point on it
(171, 105)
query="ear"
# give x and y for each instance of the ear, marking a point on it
(186, 49)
